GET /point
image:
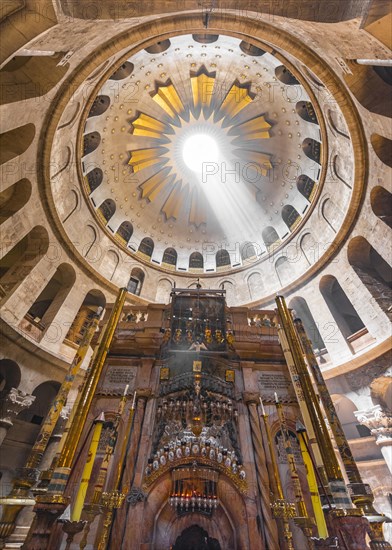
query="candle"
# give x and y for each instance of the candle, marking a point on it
(262, 407)
(126, 390)
(276, 397)
(134, 400)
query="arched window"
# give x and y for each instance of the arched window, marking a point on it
(44, 396)
(25, 77)
(93, 302)
(196, 261)
(332, 214)
(285, 76)
(306, 186)
(48, 303)
(270, 237)
(290, 216)
(370, 88)
(135, 283)
(124, 232)
(381, 203)
(10, 376)
(345, 409)
(15, 142)
(100, 105)
(94, 179)
(14, 198)
(249, 49)
(374, 272)
(90, 142)
(309, 248)
(169, 258)
(222, 258)
(302, 311)
(347, 319)
(255, 285)
(283, 270)
(383, 148)
(205, 38)
(123, 71)
(107, 209)
(230, 294)
(306, 112)
(146, 247)
(159, 47)
(248, 252)
(16, 265)
(312, 149)
(164, 289)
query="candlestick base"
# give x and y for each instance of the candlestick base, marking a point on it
(71, 528)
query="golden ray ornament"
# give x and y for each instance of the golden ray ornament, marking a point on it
(171, 185)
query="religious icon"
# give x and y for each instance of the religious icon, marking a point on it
(230, 375)
(196, 366)
(164, 373)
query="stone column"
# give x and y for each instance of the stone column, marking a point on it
(13, 404)
(379, 422)
(270, 526)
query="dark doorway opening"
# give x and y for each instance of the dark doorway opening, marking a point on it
(195, 538)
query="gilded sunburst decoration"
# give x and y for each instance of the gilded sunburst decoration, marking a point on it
(207, 113)
(197, 146)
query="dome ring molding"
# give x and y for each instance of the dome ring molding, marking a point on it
(323, 161)
(262, 34)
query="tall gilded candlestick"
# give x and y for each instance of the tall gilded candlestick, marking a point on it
(312, 482)
(361, 494)
(94, 508)
(88, 468)
(28, 474)
(281, 508)
(63, 469)
(114, 498)
(317, 425)
(51, 504)
(302, 519)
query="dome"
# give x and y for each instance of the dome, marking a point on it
(238, 148)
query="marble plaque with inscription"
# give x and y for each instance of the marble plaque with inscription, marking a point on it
(116, 378)
(270, 382)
